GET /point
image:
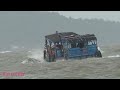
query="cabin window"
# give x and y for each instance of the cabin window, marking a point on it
(73, 45)
(76, 45)
(53, 45)
(92, 42)
(69, 45)
(95, 42)
(80, 45)
(65, 45)
(89, 43)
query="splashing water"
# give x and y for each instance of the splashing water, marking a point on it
(100, 50)
(36, 54)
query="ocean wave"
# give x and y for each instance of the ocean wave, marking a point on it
(100, 50)
(25, 61)
(5, 52)
(34, 56)
(113, 56)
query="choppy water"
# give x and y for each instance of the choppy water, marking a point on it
(91, 68)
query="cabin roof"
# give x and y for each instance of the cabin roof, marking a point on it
(57, 37)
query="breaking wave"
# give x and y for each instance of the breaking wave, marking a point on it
(100, 50)
(35, 55)
(5, 52)
(113, 56)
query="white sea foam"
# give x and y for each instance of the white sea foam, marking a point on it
(37, 54)
(25, 61)
(5, 52)
(113, 56)
(100, 50)
(34, 56)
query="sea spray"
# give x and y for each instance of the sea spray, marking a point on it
(100, 50)
(34, 56)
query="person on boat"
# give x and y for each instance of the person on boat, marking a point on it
(45, 53)
(51, 54)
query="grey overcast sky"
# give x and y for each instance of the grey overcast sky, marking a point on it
(106, 15)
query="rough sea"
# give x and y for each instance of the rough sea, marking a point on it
(18, 61)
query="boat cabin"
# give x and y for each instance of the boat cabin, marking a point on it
(70, 45)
